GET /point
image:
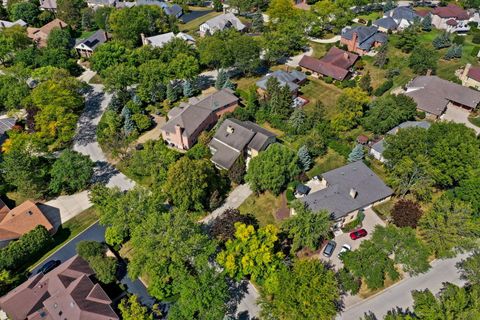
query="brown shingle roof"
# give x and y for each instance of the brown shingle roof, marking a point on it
(334, 64)
(40, 35)
(451, 11)
(474, 73)
(22, 219)
(47, 296)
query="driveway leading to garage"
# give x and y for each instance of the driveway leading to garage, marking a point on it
(369, 222)
(459, 115)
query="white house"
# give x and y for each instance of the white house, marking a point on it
(160, 40)
(8, 24)
(221, 22)
(450, 18)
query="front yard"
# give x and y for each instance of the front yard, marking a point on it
(263, 207)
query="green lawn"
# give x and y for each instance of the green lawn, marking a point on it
(371, 16)
(475, 121)
(68, 231)
(319, 49)
(263, 207)
(330, 161)
(192, 26)
(86, 34)
(317, 90)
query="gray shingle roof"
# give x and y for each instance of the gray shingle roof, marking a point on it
(367, 36)
(386, 23)
(162, 39)
(336, 198)
(96, 39)
(224, 20)
(284, 78)
(217, 100)
(402, 12)
(433, 94)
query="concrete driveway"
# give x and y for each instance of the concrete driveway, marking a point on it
(459, 115)
(369, 223)
(233, 201)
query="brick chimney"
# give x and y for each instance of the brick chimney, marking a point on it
(179, 135)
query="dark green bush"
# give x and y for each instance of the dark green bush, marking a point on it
(384, 87)
(88, 249)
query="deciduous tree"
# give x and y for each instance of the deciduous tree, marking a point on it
(71, 172)
(406, 213)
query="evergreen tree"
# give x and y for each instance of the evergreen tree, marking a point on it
(454, 52)
(389, 5)
(222, 77)
(356, 154)
(171, 93)
(187, 89)
(442, 41)
(128, 124)
(281, 101)
(365, 83)
(427, 23)
(126, 112)
(304, 158)
(297, 121)
(257, 21)
(381, 58)
(217, 5)
(229, 85)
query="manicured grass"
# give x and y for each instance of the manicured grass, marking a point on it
(192, 26)
(371, 16)
(384, 209)
(317, 90)
(330, 161)
(263, 207)
(319, 49)
(475, 121)
(68, 231)
(246, 83)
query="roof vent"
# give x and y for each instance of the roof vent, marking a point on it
(230, 129)
(29, 212)
(353, 193)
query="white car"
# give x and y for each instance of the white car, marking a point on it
(345, 248)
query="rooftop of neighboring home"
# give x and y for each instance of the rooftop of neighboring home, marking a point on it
(379, 146)
(66, 292)
(433, 94)
(162, 39)
(402, 13)
(289, 78)
(101, 2)
(8, 24)
(336, 63)
(6, 124)
(171, 10)
(386, 23)
(451, 11)
(233, 136)
(193, 114)
(349, 188)
(366, 36)
(96, 39)
(224, 20)
(24, 218)
(473, 73)
(41, 34)
(48, 4)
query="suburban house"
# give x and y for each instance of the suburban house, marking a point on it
(377, 149)
(40, 35)
(8, 24)
(186, 122)
(160, 40)
(471, 76)
(346, 190)
(397, 19)
(362, 39)
(48, 5)
(69, 291)
(337, 64)
(173, 10)
(15, 222)
(86, 47)
(100, 3)
(434, 95)
(221, 22)
(293, 79)
(235, 138)
(451, 18)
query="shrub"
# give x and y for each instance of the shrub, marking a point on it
(298, 68)
(142, 121)
(308, 73)
(475, 51)
(458, 39)
(406, 213)
(25, 249)
(421, 114)
(105, 268)
(88, 249)
(384, 87)
(328, 79)
(476, 38)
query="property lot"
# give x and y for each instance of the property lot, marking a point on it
(369, 223)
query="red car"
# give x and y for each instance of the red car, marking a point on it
(354, 235)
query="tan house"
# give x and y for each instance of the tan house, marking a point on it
(451, 18)
(18, 221)
(235, 138)
(337, 64)
(40, 35)
(347, 190)
(362, 39)
(69, 291)
(471, 76)
(186, 122)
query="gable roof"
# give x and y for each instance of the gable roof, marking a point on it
(41, 34)
(433, 94)
(366, 36)
(336, 197)
(162, 39)
(233, 136)
(6, 124)
(48, 4)
(8, 24)
(386, 23)
(225, 20)
(473, 73)
(451, 11)
(289, 78)
(22, 219)
(96, 39)
(66, 290)
(336, 63)
(402, 13)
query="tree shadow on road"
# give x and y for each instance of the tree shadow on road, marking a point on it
(86, 130)
(103, 172)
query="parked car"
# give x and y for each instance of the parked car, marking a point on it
(354, 235)
(345, 248)
(49, 266)
(328, 251)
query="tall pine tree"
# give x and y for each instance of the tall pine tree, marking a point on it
(222, 77)
(356, 154)
(304, 158)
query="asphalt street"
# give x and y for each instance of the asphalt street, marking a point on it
(97, 233)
